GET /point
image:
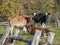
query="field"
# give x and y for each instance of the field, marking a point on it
(56, 41)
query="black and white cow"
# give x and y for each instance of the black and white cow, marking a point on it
(40, 17)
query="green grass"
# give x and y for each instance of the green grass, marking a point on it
(24, 36)
(56, 30)
(2, 30)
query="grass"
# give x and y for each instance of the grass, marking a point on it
(56, 30)
(2, 29)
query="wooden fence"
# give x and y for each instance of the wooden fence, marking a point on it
(3, 23)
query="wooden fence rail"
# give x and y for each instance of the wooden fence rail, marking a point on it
(4, 36)
(3, 23)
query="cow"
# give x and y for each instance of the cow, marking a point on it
(49, 35)
(40, 17)
(18, 21)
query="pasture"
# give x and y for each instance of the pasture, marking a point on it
(56, 30)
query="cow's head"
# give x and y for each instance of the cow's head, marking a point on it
(33, 14)
(47, 15)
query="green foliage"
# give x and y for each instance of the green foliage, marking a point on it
(39, 6)
(7, 10)
(9, 7)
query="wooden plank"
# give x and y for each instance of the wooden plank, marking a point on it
(36, 37)
(3, 23)
(19, 38)
(5, 35)
(49, 38)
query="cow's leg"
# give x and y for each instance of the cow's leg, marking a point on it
(11, 26)
(49, 38)
(12, 30)
(15, 34)
(25, 29)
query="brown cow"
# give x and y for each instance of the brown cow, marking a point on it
(49, 35)
(32, 30)
(19, 21)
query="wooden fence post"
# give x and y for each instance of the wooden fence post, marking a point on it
(50, 38)
(36, 38)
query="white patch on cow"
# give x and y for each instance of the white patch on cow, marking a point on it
(43, 25)
(46, 14)
(35, 14)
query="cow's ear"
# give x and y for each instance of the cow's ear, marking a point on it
(49, 13)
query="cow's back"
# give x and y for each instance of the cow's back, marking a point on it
(37, 18)
(18, 21)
